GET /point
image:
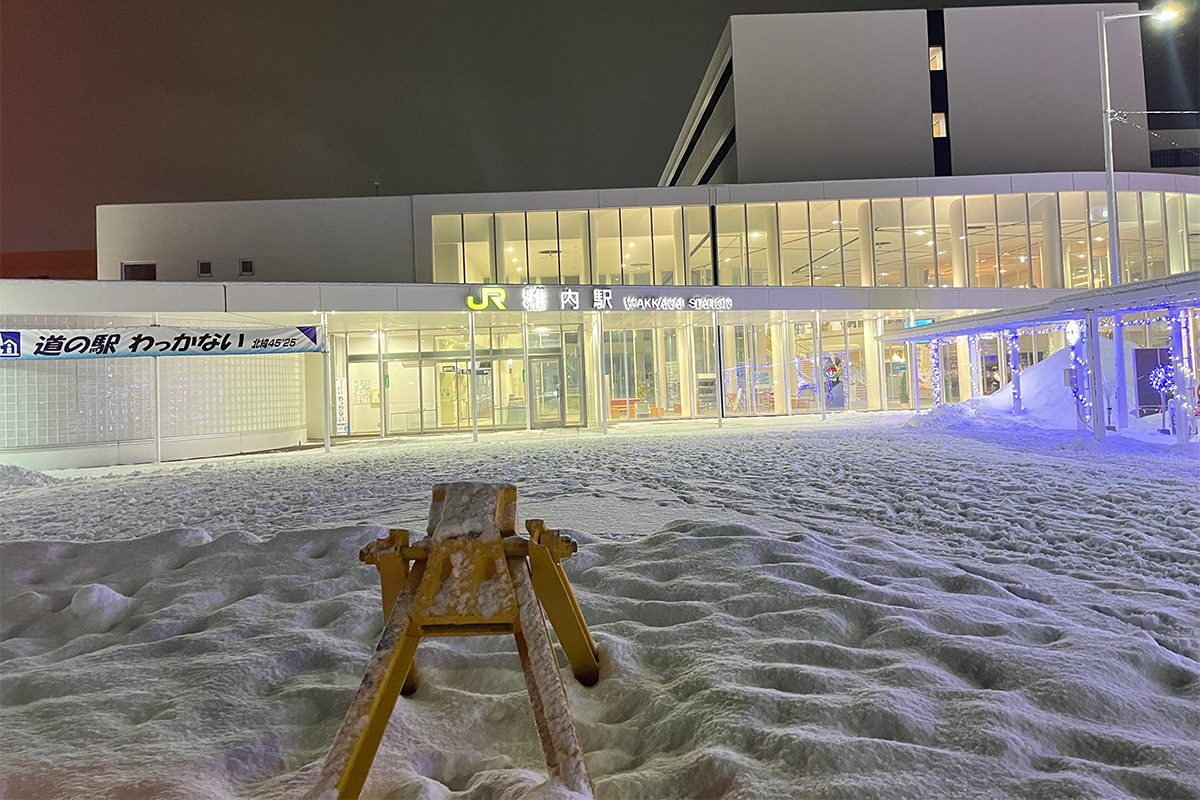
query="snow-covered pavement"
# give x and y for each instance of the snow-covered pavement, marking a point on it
(856, 608)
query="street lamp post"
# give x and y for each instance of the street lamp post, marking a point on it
(1114, 249)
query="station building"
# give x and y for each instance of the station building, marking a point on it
(702, 298)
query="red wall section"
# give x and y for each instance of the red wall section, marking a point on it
(75, 265)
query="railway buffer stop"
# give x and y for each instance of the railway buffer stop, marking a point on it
(471, 575)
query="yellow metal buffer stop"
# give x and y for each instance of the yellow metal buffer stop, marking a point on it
(471, 575)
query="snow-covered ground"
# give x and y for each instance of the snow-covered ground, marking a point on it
(949, 607)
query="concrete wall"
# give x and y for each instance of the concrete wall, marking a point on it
(338, 239)
(832, 96)
(1024, 87)
(708, 123)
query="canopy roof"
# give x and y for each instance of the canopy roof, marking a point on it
(1160, 294)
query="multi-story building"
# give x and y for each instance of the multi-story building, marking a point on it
(680, 301)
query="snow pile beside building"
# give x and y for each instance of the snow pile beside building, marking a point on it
(830, 610)
(12, 476)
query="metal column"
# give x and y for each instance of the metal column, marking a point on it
(325, 376)
(1095, 375)
(720, 370)
(473, 368)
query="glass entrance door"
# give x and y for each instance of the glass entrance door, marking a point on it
(548, 395)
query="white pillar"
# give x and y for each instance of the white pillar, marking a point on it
(720, 371)
(1119, 373)
(958, 244)
(473, 367)
(325, 376)
(914, 378)
(873, 366)
(603, 385)
(1014, 360)
(379, 334)
(157, 407)
(157, 412)
(1095, 376)
(819, 367)
(935, 365)
(1183, 411)
(790, 363)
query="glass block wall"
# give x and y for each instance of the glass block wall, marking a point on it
(99, 401)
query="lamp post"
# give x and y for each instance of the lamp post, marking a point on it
(1114, 249)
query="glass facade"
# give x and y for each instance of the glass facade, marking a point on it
(1035, 240)
(419, 380)
(618, 367)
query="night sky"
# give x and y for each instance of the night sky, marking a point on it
(142, 101)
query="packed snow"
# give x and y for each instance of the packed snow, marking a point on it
(966, 606)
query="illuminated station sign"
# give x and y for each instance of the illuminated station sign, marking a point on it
(582, 298)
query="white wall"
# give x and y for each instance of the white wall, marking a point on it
(1024, 86)
(336, 239)
(832, 96)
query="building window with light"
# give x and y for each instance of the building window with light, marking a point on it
(939, 126)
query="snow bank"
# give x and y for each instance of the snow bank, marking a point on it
(844, 611)
(12, 476)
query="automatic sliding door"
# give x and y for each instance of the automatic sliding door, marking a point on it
(548, 395)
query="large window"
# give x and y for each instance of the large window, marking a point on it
(795, 255)
(637, 250)
(918, 240)
(762, 244)
(1037, 240)
(1013, 232)
(888, 244)
(731, 245)
(826, 243)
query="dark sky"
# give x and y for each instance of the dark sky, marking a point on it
(163, 100)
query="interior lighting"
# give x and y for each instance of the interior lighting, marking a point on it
(510, 249)
(920, 233)
(631, 245)
(1099, 238)
(729, 259)
(930, 243)
(837, 222)
(514, 258)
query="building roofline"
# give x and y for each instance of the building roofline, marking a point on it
(1009, 183)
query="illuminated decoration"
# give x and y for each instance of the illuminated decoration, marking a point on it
(973, 354)
(1162, 379)
(935, 368)
(1074, 332)
(488, 296)
(1080, 375)
(1014, 364)
(535, 298)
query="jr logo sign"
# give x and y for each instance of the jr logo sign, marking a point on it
(488, 296)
